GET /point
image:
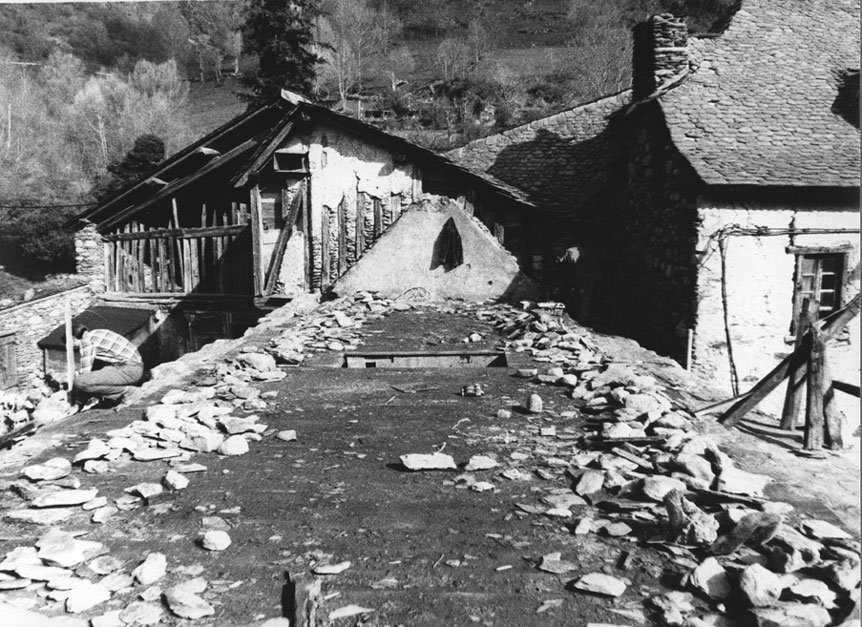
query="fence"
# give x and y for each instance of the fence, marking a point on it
(209, 260)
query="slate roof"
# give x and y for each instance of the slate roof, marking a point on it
(560, 161)
(758, 108)
(122, 320)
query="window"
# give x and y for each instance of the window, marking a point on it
(819, 279)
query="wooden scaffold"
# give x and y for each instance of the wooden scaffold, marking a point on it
(807, 370)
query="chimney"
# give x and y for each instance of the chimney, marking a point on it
(660, 53)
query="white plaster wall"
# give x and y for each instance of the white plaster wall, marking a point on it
(402, 258)
(759, 275)
(342, 165)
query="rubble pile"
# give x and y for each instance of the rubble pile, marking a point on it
(642, 473)
(633, 470)
(37, 405)
(63, 571)
(334, 326)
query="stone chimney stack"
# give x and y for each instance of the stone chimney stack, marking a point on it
(660, 53)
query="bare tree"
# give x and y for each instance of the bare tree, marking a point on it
(398, 65)
(354, 33)
(453, 56)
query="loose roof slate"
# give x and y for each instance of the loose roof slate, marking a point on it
(758, 109)
(122, 320)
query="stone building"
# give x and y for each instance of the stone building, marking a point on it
(293, 198)
(728, 185)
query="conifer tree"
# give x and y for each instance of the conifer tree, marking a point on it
(281, 33)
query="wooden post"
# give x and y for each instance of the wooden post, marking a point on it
(255, 240)
(833, 325)
(831, 414)
(793, 396)
(70, 349)
(814, 422)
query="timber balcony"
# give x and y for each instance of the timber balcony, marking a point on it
(173, 262)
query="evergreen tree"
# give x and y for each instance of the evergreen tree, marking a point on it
(281, 33)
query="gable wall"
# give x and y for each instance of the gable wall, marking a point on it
(407, 257)
(357, 190)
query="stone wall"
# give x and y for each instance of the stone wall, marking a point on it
(33, 320)
(654, 282)
(90, 257)
(759, 277)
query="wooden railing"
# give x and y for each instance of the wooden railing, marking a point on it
(210, 260)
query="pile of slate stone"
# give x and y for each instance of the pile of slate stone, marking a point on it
(334, 326)
(642, 472)
(67, 572)
(38, 404)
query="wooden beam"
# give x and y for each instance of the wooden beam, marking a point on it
(832, 327)
(174, 186)
(814, 419)
(70, 349)
(209, 231)
(175, 160)
(847, 388)
(264, 152)
(281, 244)
(818, 250)
(254, 195)
(793, 396)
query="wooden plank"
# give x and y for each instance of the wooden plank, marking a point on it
(194, 263)
(70, 348)
(187, 233)
(832, 326)
(831, 416)
(218, 262)
(281, 244)
(264, 152)
(187, 269)
(360, 226)
(343, 261)
(162, 284)
(257, 279)
(324, 247)
(151, 249)
(389, 211)
(847, 388)
(378, 218)
(793, 396)
(171, 246)
(814, 419)
(818, 250)
(142, 271)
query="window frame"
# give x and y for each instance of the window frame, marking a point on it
(809, 262)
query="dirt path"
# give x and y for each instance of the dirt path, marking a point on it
(424, 548)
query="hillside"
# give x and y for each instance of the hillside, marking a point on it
(81, 83)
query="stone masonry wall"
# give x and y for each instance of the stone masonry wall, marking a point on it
(655, 285)
(90, 257)
(759, 275)
(33, 320)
